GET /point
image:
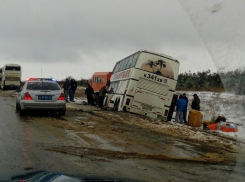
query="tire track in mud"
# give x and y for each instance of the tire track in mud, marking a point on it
(209, 138)
(100, 154)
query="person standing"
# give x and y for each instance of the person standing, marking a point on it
(67, 87)
(102, 93)
(73, 89)
(185, 111)
(181, 106)
(89, 92)
(196, 103)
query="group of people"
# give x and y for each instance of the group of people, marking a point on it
(70, 88)
(90, 92)
(182, 104)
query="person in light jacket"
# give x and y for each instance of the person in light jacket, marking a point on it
(185, 111)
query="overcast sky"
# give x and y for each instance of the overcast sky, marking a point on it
(77, 37)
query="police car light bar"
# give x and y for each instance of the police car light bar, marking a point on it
(40, 79)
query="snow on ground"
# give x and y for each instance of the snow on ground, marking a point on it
(227, 104)
(81, 88)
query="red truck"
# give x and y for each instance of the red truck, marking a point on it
(98, 80)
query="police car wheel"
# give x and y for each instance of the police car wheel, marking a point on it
(17, 107)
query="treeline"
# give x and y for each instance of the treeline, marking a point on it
(206, 80)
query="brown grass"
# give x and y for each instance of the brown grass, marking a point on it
(80, 93)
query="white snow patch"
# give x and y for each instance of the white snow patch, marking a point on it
(227, 104)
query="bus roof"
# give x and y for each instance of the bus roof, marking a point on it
(163, 55)
(101, 73)
(11, 65)
(151, 52)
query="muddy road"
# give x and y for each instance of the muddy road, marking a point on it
(88, 140)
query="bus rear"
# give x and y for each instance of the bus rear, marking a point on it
(11, 77)
(147, 87)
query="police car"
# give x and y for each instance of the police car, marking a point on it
(40, 94)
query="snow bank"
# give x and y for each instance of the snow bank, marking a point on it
(227, 104)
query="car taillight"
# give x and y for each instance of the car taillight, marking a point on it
(27, 96)
(62, 97)
(166, 113)
(127, 101)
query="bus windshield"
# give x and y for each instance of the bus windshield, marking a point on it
(13, 68)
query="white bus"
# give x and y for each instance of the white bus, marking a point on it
(143, 83)
(10, 76)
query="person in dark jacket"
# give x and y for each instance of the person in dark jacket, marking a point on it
(67, 87)
(195, 103)
(181, 106)
(102, 93)
(73, 89)
(89, 92)
(185, 111)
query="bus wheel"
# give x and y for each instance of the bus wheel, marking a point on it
(116, 104)
(124, 109)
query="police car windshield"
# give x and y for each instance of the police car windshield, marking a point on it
(42, 86)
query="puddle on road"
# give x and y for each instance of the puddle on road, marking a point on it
(79, 118)
(104, 143)
(73, 135)
(72, 125)
(185, 150)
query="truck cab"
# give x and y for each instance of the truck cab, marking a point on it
(98, 80)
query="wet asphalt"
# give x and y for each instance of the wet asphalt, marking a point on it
(22, 151)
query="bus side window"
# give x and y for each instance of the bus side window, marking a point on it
(129, 62)
(116, 87)
(111, 88)
(121, 65)
(114, 70)
(125, 62)
(118, 66)
(134, 60)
